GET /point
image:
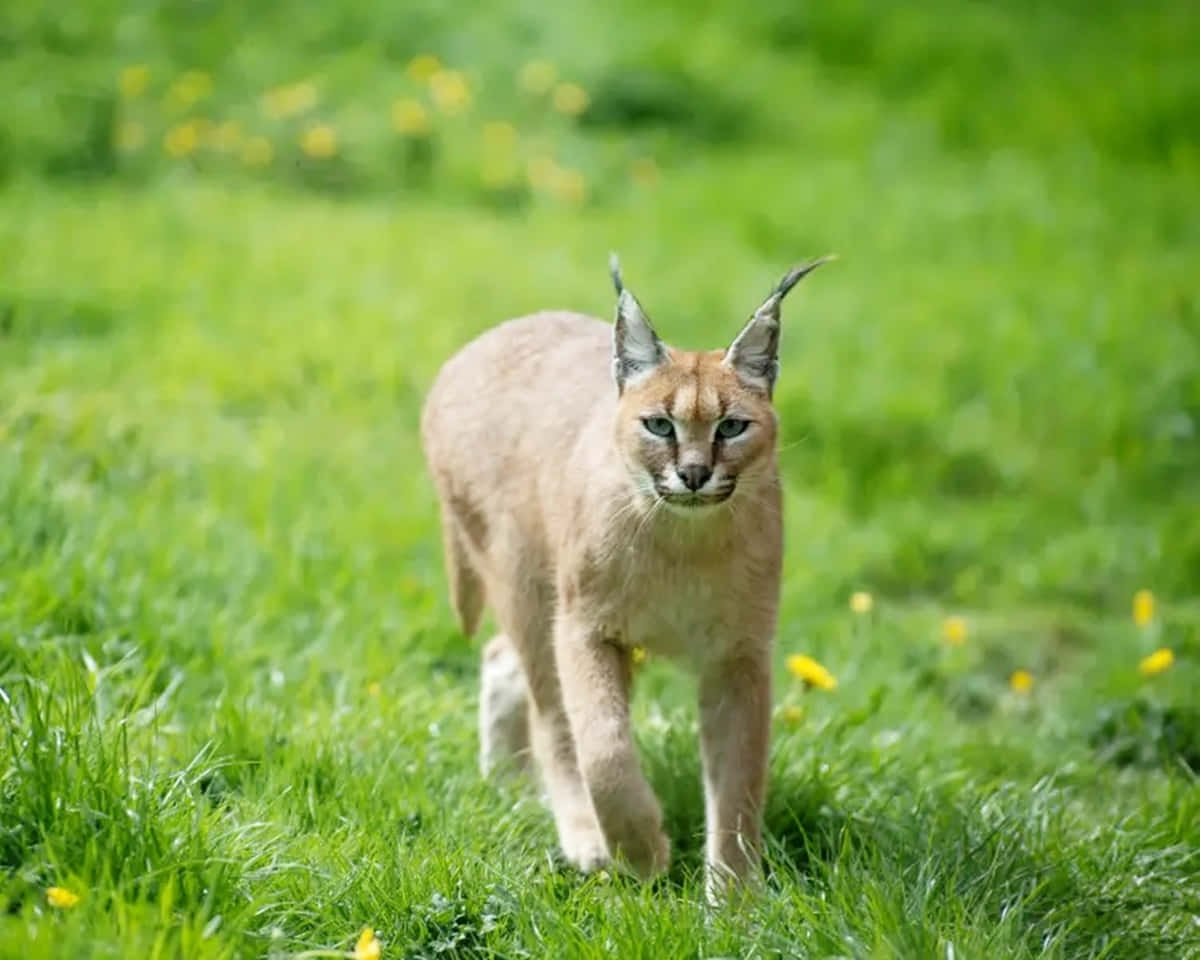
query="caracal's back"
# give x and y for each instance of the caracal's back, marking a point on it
(508, 406)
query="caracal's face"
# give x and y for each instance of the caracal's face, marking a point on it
(697, 429)
(693, 434)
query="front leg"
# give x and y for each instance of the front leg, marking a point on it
(595, 675)
(735, 722)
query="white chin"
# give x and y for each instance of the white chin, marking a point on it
(691, 508)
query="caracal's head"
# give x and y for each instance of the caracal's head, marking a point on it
(696, 428)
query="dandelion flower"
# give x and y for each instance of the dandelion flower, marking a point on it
(568, 186)
(319, 141)
(61, 897)
(192, 87)
(1021, 681)
(499, 135)
(133, 81)
(570, 99)
(374, 689)
(954, 631)
(130, 136)
(811, 672)
(644, 172)
(450, 91)
(541, 170)
(258, 152)
(410, 118)
(422, 67)
(1160, 660)
(227, 137)
(499, 172)
(537, 77)
(1143, 607)
(182, 139)
(289, 99)
(638, 656)
(861, 602)
(368, 946)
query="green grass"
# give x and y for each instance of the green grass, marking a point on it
(237, 718)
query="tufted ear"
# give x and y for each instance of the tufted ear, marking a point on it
(754, 355)
(636, 347)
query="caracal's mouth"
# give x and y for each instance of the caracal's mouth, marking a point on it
(696, 501)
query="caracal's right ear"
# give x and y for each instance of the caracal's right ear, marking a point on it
(637, 351)
(754, 355)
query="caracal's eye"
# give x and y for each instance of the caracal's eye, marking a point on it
(659, 426)
(728, 429)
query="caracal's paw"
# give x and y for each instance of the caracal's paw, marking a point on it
(639, 844)
(584, 848)
(631, 819)
(725, 888)
(646, 855)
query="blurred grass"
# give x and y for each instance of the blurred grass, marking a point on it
(237, 718)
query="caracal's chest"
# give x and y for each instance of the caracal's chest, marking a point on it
(678, 606)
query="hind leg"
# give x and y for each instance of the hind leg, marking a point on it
(503, 708)
(467, 592)
(526, 615)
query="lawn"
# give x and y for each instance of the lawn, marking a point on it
(236, 717)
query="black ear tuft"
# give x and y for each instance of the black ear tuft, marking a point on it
(614, 271)
(754, 355)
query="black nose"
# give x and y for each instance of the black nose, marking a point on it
(694, 475)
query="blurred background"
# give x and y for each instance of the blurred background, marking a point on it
(996, 390)
(237, 240)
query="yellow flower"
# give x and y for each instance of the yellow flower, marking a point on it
(1160, 660)
(130, 136)
(422, 67)
(227, 136)
(189, 89)
(644, 172)
(450, 91)
(368, 946)
(410, 118)
(793, 714)
(61, 897)
(541, 169)
(811, 672)
(319, 141)
(571, 99)
(257, 152)
(954, 631)
(374, 689)
(182, 139)
(537, 77)
(568, 186)
(133, 81)
(1021, 681)
(638, 656)
(499, 172)
(861, 602)
(499, 135)
(290, 99)
(1143, 607)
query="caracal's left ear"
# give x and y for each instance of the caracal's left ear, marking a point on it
(637, 351)
(754, 355)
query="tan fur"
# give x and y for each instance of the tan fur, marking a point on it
(566, 516)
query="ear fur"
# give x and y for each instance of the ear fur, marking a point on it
(636, 347)
(754, 354)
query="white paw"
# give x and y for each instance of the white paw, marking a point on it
(585, 850)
